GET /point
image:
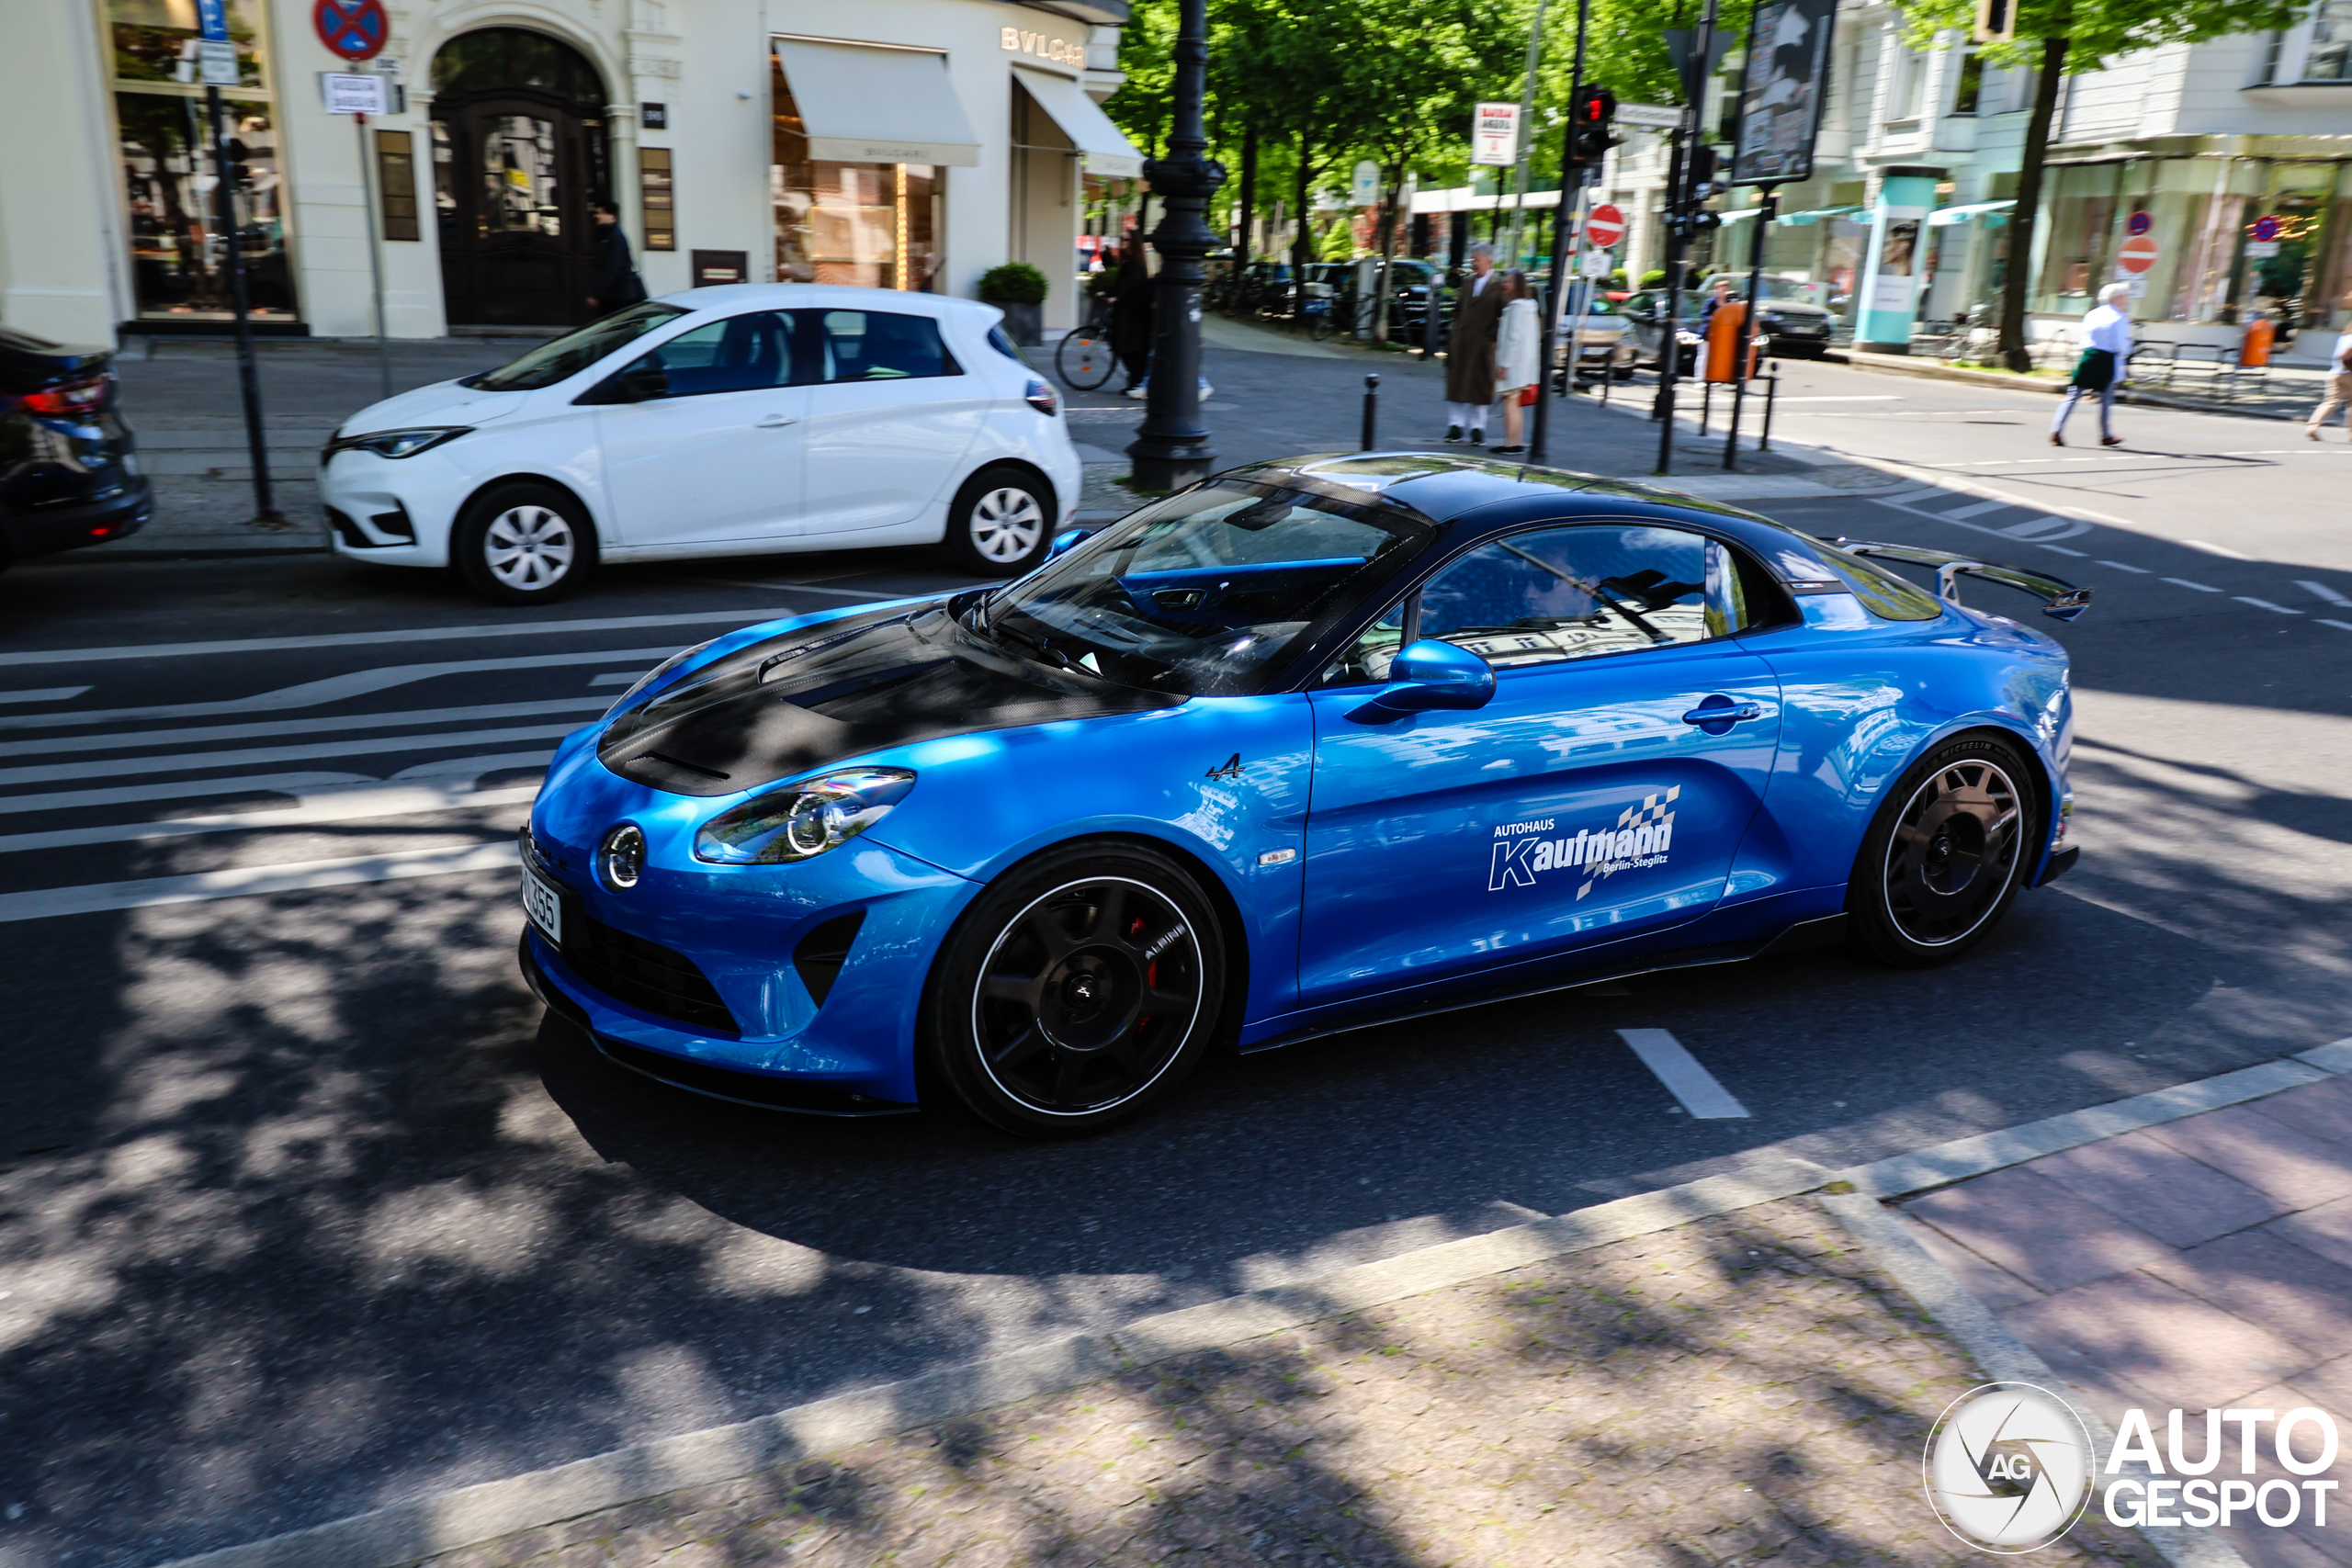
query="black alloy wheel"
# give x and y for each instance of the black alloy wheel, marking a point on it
(1076, 991)
(1946, 854)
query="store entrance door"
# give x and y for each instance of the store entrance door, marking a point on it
(518, 150)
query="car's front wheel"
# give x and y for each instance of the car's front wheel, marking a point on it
(1077, 990)
(524, 544)
(1946, 855)
(1002, 523)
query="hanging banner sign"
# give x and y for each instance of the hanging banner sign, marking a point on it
(1782, 92)
(1494, 135)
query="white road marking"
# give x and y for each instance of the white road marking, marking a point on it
(1678, 1070)
(196, 762)
(2183, 582)
(2221, 550)
(1873, 398)
(1963, 513)
(2339, 626)
(2078, 554)
(352, 805)
(618, 678)
(329, 689)
(2322, 591)
(155, 790)
(2125, 566)
(415, 634)
(294, 877)
(2263, 604)
(45, 694)
(48, 746)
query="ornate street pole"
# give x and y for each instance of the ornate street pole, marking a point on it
(1171, 448)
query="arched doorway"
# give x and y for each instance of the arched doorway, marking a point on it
(519, 160)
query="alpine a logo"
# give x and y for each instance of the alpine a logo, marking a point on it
(1643, 837)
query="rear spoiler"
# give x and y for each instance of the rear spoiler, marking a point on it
(2061, 599)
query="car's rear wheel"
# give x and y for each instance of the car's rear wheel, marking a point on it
(1946, 855)
(1077, 990)
(1002, 523)
(524, 544)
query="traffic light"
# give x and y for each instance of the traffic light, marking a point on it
(1588, 122)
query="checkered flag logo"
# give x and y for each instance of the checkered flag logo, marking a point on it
(1639, 829)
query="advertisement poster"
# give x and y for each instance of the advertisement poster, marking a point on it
(1782, 91)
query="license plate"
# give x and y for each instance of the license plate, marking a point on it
(543, 904)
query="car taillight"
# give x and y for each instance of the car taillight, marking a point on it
(74, 397)
(1039, 396)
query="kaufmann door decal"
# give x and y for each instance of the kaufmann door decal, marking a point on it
(1643, 837)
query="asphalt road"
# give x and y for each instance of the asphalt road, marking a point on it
(305, 1207)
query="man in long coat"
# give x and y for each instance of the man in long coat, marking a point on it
(1470, 349)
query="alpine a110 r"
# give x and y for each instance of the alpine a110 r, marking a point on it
(1311, 745)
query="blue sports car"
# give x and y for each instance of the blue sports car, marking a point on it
(1312, 745)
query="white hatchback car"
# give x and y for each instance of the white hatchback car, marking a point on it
(727, 421)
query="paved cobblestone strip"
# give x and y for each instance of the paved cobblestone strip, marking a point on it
(1745, 1390)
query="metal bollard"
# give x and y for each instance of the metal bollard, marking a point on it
(1706, 404)
(1370, 411)
(1772, 386)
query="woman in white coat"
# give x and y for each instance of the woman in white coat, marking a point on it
(1518, 345)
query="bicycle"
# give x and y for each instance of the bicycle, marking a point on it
(1083, 359)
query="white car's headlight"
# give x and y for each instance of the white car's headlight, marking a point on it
(397, 443)
(805, 820)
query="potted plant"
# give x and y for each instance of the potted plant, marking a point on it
(1019, 289)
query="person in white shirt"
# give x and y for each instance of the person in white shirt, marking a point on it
(2106, 349)
(2339, 387)
(1518, 347)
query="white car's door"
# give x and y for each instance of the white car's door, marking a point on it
(717, 456)
(890, 419)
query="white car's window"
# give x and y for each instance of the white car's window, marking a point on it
(879, 345)
(741, 353)
(574, 352)
(1580, 592)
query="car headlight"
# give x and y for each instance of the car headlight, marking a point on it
(805, 820)
(397, 443)
(655, 673)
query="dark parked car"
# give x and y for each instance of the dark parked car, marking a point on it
(1645, 314)
(68, 475)
(1798, 328)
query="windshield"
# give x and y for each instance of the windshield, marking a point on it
(1786, 288)
(565, 356)
(1207, 592)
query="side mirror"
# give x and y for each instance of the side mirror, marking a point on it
(1427, 675)
(643, 383)
(1066, 541)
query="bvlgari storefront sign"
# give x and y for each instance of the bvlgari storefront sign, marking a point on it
(1054, 50)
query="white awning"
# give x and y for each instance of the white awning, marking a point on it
(1943, 217)
(1107, 150)
(877, 105)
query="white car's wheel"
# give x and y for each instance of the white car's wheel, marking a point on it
(1002, 523)
(524, 544)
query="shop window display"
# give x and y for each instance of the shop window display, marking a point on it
(872, 225)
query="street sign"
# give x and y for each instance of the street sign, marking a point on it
(355, 29)
(1606, 225)
(217, 62)
(1366, 184)
(2139, 253)
(2139, 223)
(212, 20)
(1596, 263)
(2261, 250)
(1494, 135)
(1649, 117)
(349, 94)
(2265, 229)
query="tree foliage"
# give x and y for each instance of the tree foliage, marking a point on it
(2097, 32)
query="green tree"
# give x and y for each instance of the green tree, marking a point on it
(2065, 38)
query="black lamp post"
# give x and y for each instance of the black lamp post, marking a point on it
(1171, 448)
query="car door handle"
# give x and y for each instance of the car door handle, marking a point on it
(1730, 713)
(777, 421)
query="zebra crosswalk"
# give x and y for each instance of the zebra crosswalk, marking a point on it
(111, 799)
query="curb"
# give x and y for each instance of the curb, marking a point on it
(1900, 365)
(404, 1533)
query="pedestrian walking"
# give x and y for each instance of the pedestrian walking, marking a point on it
(2106, 349)
(1470, 349)
(1131, 291)
(2339, 387)
(618, 284)
(1518, 375)
(1718, 297)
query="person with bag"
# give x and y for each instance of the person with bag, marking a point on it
(1518, 375)
(2339, 387)
(1470, 348)
(618, 284)
(2107, 350)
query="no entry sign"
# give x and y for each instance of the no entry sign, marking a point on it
(2139, 253)
(1606, 226)
(356, 29)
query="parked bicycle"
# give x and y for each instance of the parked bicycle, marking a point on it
(1083, 359)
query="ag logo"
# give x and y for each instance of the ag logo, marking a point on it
(2009, 1467)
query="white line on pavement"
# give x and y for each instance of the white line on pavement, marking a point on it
(1873, 398)
(155, 791)
(2125, 566)
(2221, 550)
(1963, 513)
(1678, 1070)
(45, 694)
(50, 745)
(329, 689)
(357, 805)
(2061, 549)
(194, 761)
(2322, 591)
(618, 678)
(2339, 626)
(2183, 582)
(413, 633)
(2263, 604)
(293, 877)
